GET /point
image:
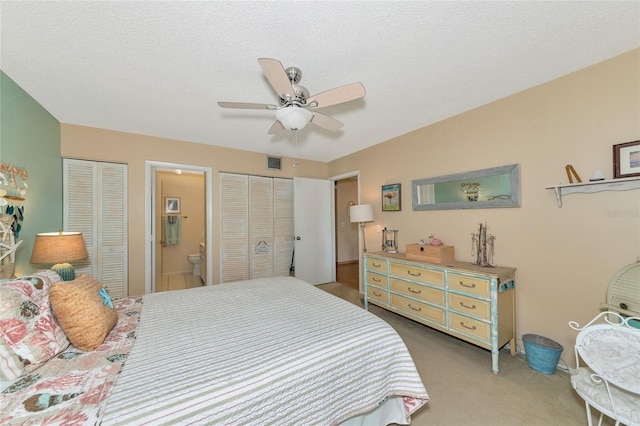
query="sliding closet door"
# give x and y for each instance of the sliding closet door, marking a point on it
(95, 203)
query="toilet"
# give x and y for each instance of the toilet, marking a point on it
(195, 260)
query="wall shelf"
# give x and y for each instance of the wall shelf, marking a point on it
(623, 184)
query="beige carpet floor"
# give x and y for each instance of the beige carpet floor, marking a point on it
(464, 390)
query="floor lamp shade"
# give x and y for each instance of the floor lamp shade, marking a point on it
(59, 248)
(361, 213)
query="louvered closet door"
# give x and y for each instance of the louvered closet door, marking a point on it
(283, 226)
(235, 226)
(95, 200)
(261, 226)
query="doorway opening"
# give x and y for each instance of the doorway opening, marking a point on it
(346, 235)
(155, 241)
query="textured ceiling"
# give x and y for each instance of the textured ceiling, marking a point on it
(158, 68)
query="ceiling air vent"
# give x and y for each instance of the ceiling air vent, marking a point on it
(274, 163)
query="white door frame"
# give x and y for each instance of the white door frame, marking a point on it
(356, 174)
(150, 218)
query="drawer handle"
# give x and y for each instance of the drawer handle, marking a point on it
(414, 274)
(378, 280)
(377, 294)
(467, 306)
(414, 291)
(473, 285)
(473, 328)
(418, 309)
(377, 265)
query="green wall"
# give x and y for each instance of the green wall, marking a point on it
(30, 139)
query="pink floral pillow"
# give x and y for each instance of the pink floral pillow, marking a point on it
(27, 323)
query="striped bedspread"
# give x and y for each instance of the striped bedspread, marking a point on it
(274, 351)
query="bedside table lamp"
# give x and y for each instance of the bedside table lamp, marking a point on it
(59, 248)
(361, 213)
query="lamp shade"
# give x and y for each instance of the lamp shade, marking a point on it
(294, 118)
(361, 213)
(59, 248)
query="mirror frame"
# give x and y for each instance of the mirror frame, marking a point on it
(514, 184)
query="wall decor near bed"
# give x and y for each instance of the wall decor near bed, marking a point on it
(479, 189)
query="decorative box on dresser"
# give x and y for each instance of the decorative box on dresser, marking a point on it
(470, 302)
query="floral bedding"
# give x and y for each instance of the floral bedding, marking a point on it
(71, 387)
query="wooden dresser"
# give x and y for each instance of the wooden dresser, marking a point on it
(472, 303)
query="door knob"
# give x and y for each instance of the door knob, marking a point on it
(298, 238)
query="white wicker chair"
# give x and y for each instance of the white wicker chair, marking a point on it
(610, 381)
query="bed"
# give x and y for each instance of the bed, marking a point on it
(265, 351)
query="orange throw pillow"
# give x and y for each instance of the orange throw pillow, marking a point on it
(81, 311)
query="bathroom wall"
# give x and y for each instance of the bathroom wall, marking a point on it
(190, 188)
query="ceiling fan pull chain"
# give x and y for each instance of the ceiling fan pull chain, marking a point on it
(295, 149)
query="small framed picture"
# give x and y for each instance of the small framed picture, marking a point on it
(172, 205)
(391, 198)
(626, 160)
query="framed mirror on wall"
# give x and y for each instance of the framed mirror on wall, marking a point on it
(495, 187)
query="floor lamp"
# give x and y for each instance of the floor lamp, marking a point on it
(361, 213)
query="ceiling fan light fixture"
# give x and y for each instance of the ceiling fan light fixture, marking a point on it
(294, 118)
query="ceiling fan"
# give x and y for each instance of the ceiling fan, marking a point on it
(296, 107)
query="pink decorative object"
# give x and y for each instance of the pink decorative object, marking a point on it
(434, 241)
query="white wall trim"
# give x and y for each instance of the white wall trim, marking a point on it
(149, 217)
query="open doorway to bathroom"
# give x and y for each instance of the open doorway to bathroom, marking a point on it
(346, 233)
(178, 218)
(181, 227)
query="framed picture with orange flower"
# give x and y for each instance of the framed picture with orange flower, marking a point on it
(391, 201)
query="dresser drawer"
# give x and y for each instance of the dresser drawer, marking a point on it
(377, 280)
(417, 274)
(471, 285)
(376, 294)
(470, 327)
(470, 306)
(419, 309)
(418, 291)
(377, 265)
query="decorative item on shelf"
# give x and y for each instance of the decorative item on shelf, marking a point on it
(433, 241)
(471, 190)
(483, 246)
(361, 213)
(390, 240)
(13, 190)
(8, 247)
(59, 248)
(597, 176)
(391, 201)
(571, 173)
(626, 160)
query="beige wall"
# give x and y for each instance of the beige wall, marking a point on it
(106, 145)
(190, 188)
(564, 256)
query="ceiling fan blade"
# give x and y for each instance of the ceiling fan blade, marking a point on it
(326, 122)
(246, 105)
(276, 128)
(275, 73)
(338, 95)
